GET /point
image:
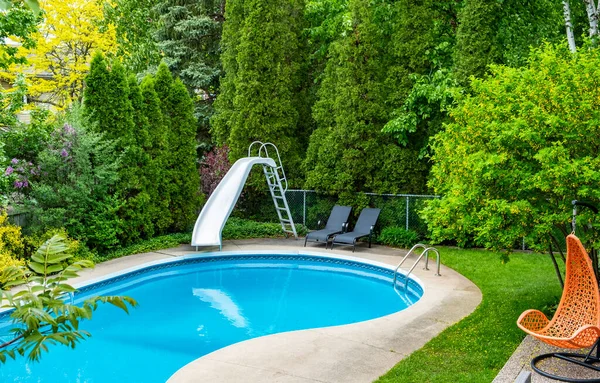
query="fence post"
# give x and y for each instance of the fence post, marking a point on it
(407, 210)
(304, 209)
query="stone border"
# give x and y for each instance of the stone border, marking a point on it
(358, 352)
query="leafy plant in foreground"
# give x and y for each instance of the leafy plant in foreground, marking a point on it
(42, 314)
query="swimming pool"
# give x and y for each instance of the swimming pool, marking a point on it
(192, 306)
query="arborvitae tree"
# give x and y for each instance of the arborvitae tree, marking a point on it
(476, 45)
(189, 38)
(162, 85)
(106, 101)
(181, 180)
(96, 91)
(109, 104)
(184, 177)
(263, 62)
(421, 41)
(494, 32)
(224, 108)
(156, 148)
(137, 220)
(347, 152)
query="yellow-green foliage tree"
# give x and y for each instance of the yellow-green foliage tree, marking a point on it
(11, 243)
(68, 36)
(521, 147)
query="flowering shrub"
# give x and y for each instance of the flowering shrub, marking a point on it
(11, 243)
(76, 186)
(215, 166)
(20, 172)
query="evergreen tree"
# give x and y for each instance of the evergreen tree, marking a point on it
(136, 215)
(494, 32)
(181, 182)
(109, 102)
(183, 174)
(263, 62)
(476, 45)
(189, 37)
(96, 91)
(156, 148)
(224, 108)
(347, 152)
(162, 85)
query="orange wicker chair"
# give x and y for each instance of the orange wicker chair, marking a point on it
(576, 323)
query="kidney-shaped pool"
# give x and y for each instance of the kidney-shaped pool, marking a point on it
(193, 306)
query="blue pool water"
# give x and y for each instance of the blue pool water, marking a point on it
(190, 308)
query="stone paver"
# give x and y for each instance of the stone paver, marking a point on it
(359, 352)
(530, 348)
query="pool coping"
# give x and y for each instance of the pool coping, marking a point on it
(358, 352)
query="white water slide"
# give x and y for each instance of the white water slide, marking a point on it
(209, 225)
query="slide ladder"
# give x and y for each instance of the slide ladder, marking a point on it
(275, 180)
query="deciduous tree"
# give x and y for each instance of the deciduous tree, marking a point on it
(520, 149)
(68, 36)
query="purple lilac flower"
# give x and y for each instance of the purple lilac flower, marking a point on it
(64, 153)
(9, 170)
(68, 129)
(14, 161)
(18, 184)
(25, 183)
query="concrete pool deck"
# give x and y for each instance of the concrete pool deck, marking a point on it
(358, 352)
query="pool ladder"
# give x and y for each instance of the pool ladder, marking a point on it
(425, 253)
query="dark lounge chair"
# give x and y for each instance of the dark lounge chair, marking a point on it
(363, 228)
(338, 220)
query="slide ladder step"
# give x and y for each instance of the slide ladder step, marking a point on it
(275, 178)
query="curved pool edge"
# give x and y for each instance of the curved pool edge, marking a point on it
(225, 254)
(357, 352)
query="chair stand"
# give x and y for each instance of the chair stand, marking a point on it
(584, 360)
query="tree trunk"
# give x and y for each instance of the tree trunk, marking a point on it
(569, 25)
(556, 268)
(592, 13)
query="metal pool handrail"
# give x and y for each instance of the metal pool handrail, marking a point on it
(417, 246)
(424, 253)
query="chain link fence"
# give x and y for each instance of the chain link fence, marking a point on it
(402, 210)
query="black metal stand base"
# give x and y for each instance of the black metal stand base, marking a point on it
(588, 361)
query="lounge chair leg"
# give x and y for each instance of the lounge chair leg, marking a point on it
(305, 239)
(354, 245)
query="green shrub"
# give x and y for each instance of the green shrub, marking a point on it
(75, 248)
(76, 185)
(522, 146)
(237, 228)
(152, 244)
(398, 237)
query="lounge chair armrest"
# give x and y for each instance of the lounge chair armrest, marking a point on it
(532, 321)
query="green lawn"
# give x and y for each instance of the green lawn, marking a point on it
(475, 349)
